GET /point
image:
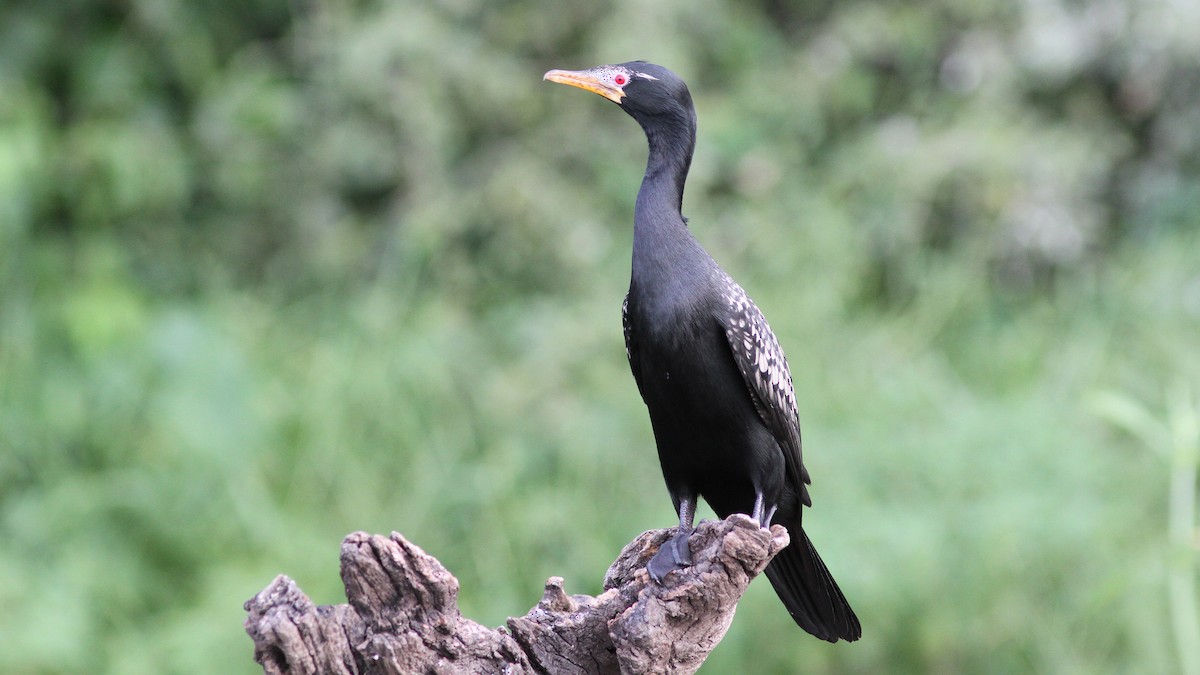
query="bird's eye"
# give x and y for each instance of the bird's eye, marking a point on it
(620, 79)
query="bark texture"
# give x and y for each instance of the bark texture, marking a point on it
(402, 615)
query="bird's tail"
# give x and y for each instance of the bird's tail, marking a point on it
(808, 590)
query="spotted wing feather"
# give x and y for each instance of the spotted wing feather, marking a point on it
(760, 359)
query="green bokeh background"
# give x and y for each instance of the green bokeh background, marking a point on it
(273, 272)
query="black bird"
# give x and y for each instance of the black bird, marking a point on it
(707, 365)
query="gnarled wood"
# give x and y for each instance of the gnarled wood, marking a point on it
(403, 617)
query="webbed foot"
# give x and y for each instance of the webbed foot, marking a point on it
(671, 556)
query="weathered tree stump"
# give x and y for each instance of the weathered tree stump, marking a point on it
(403, 617)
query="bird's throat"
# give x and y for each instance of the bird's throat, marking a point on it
(668, 263)
(668, 160)
(664, 252)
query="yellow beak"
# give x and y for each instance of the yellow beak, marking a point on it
(585, 79)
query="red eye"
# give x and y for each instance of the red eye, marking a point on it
(620, 80)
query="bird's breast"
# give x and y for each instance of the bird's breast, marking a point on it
(686, 367)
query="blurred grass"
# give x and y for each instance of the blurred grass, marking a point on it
(270, 273)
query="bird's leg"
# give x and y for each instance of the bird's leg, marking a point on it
(674, 554)
(761, 513)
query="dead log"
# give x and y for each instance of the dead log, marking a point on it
(403, 617)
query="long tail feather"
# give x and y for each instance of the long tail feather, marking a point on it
(809, 591)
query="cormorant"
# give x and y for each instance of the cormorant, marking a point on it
(707, 365)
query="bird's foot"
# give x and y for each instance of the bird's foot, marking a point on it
(762, 513)
(671, 556)
(766, 519)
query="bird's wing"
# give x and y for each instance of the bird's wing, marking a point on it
(630, 343)
(760, 359)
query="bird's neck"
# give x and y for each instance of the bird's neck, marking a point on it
(662, 244)
(669, 159)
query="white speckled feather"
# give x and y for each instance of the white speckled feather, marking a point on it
(765, 370)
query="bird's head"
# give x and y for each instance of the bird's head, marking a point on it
(644, 90)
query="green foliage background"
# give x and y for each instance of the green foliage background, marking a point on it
(271, 272)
